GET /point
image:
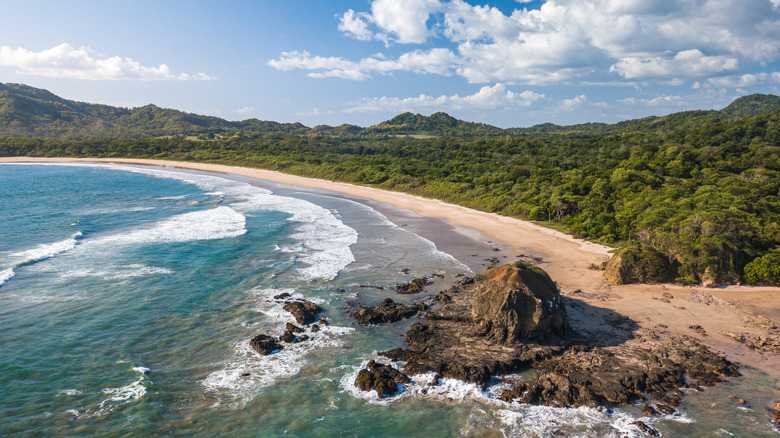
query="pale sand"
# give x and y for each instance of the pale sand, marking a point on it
(736, 310)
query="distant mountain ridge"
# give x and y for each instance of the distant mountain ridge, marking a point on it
(33, 112)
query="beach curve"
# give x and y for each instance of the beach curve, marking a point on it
(724, 314)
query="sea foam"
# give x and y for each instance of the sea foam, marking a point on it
(515, 419)
(325, 240)
(46, 251)
(247, 373)
(125, 394)
(215, 223)
(6, 275)
(37, 254)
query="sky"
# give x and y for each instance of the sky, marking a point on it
(506, 63)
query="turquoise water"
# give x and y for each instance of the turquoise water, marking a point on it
(128, 296)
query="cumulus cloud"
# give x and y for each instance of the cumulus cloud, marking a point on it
(688, 63)
(435, 61)
(355, 24)
(746, 80)
(65, 61)
(495, 97)
(574, 102)
(655, 101)
(573, 40)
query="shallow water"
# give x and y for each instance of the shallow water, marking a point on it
(128, 296)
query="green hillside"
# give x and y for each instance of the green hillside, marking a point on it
(690, 197)
(31, 112)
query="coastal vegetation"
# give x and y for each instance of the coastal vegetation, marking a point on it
(692, 197)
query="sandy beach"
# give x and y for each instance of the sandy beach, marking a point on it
(729, 318)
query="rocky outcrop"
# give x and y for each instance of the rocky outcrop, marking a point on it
(388, 311)
(639, 264)
(511, 319)
(584, 376)
(516, 303)
(460, 342)
(413, 287)
(381, 378)
(265, 344)
(305, 312)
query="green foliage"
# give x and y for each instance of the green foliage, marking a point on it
(765, 269)
(753, 105)
(699, 189)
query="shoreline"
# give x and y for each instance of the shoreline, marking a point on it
(721, 312)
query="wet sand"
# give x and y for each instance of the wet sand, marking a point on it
(723, 313)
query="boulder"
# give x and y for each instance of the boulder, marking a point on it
(639, 264)
(388, 311)
(305, 312)
(265, 344)
(383, 379)
(412, 287)
(293, 328)
(288, 337)
(516, 303)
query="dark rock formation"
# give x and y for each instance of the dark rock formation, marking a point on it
(647, 429)
(517, 304)
(388, 311)
(265, 344)
(412, 287)
(454, 345)
(293, 328)
(644, 365)
(512, 319)
(288, 337)
(384, 379)
(305, 312)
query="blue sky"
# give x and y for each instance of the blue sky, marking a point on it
(506, 63)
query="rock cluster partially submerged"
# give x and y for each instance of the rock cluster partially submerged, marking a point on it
(387, 312)
(304, 312)
(511, 318)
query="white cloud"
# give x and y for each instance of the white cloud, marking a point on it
(688, 63)
(435, 61)
(574, 102)
(656, 101)
(746, 80)
(65, 61)
(573, 40)
(495, 97)
(246, 110)
(355, 24)
(312, 113)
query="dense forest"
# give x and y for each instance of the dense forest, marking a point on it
(691, 197)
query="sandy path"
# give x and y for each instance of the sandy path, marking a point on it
(721, 312)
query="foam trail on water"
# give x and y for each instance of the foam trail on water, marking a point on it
(46, 251)
(37, 254)
(125, 394)
(216, 223)
(325, 239)
(6, 275)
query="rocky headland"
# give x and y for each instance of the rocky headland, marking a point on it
(512, 318)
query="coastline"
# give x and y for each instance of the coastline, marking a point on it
(720, 312)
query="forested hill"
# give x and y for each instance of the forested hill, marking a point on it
(32, 112)
(691, 197)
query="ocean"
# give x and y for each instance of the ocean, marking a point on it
(128, 296)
